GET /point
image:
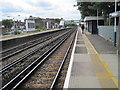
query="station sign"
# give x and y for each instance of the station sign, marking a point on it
(114, 14)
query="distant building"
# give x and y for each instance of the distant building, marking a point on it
(18, 25)
(38, 22)
(62, 23)
(15, 25)
(76, 22)
(49, 23)
(30, 24)
(1, 26)
(56, 25)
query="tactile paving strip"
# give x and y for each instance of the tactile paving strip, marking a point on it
(80, 42)
(80, 50)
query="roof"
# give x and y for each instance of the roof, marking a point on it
(97, 0)
(91, 18)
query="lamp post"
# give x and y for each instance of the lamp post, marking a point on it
(7, 25)
(119, 37)
(109, 17)
(97, 18)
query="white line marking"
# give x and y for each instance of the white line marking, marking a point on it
(67, 79)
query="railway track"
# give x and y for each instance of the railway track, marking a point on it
(18, 54)
(12, 69)
(36, 62)
(29, 54)
(18, 49)
(51, 74)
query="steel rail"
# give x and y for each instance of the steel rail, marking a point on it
(14, 53)
(10, 55)
(16, 81)
(6, 67)
(60, 68)
(22, 44)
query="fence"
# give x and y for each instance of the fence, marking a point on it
(107, 32)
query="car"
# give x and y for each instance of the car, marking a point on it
(7, 33)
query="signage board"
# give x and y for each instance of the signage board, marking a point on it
(114, 14)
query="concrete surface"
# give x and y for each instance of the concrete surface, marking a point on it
(95, 63)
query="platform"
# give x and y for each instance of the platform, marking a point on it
(25, 34)
(94, 63)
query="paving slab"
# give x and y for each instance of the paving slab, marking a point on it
(81, 58)
(101, 45)
(84, 82)
(82, 69)
(94, 64)
(81, 50)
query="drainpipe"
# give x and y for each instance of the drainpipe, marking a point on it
(119, 37)
(97, 18)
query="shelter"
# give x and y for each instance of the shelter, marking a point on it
(92, 22)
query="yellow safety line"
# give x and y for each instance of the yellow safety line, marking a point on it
(103, 63)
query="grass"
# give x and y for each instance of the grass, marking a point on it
(22, 34)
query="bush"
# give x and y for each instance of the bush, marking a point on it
(36, 27)
(17, 32)
(38, 30)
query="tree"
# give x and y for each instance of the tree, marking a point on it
(7, 23)
(37, 26)
(84, 9)
(57, 20)
(90, 9)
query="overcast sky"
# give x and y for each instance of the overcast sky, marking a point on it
(41, 8)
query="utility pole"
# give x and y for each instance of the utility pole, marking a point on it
(119, 37)
(109, 21)
(14, 23)
(97, 18)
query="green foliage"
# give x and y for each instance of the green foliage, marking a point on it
(85, 9)
(57, 20)
(7, 23)
(70, 25)
(90, 8)
(38, 30)
(37, 26)
(17, 32)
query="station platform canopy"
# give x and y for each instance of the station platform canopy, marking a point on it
(98, 0)
(92, 18)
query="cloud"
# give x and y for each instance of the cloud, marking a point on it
(41, 8)
(45, 4)
(10, 10)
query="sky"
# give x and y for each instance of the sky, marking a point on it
(39, 8)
